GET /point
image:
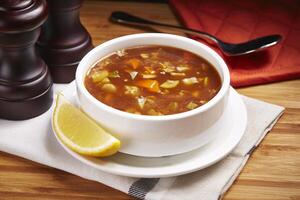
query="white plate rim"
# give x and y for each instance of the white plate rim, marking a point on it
(112, 168)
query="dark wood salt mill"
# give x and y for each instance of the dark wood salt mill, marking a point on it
(63, 41)
(25, 82)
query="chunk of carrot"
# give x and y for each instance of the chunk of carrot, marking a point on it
(134, 63)
(151, 85)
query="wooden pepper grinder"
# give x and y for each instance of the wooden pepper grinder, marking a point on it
(63, 41)
(25, 82)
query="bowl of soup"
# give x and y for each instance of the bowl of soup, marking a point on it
(160, 94)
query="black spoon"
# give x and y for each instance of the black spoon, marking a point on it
(228, 48)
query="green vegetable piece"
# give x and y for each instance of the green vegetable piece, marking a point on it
(191, 105)
(153, 112)
(190, 81)
(150, 100)
(205, 81)
(177, 74)
(165, 91)
(114, 74)
(167, 67)
(169, 84)
(148, 76)
(182, 93)
(173, 106)
(108, 87)
(98, 76)
(182, 68)
(105, 80)
(132, 90)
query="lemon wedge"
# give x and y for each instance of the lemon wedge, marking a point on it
(80, 133)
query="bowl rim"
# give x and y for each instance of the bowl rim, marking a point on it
(79, 78)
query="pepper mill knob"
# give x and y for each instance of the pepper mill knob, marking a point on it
(63, 41)
(25, 82)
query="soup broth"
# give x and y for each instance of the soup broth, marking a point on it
(153, 80)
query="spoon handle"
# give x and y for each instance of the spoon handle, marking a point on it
(125, 18)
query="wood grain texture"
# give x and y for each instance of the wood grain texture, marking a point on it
(273, 171)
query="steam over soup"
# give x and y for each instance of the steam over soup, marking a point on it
(153, 80)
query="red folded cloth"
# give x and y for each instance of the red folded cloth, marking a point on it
(238, 21)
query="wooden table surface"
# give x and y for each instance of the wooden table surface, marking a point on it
(273, 171)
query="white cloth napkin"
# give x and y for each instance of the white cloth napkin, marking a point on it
(33, 140)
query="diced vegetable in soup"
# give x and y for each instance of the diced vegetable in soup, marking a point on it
(153, 80)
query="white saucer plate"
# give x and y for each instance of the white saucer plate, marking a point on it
(234, 122)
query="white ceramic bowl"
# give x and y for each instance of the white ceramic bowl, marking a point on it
(155, 136)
